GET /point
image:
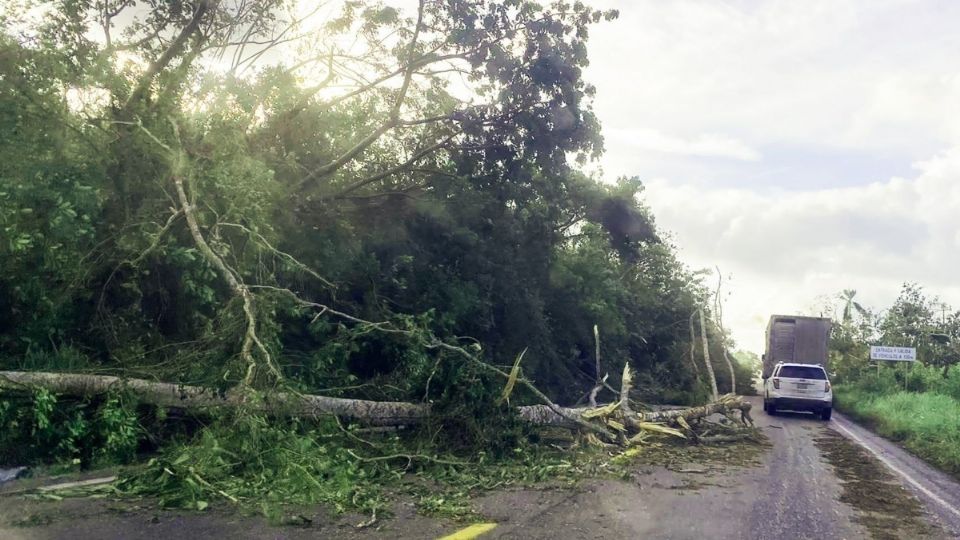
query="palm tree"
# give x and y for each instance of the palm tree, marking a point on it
(851, 306)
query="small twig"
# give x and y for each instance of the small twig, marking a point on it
(436, 364)
(282, 254)
(369, 522)
(352, 436)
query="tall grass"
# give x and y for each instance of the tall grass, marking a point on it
(926, 422)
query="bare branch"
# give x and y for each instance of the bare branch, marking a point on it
(399, 168)
(250, 338)
(392, 122)
(347, 156)
(282, 254)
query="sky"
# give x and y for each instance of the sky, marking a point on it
(803, 147)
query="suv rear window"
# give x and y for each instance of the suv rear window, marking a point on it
(802, 372)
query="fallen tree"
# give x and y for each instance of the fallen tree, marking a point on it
(198, 398)
(617, 419)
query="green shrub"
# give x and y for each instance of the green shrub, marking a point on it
(40, 428)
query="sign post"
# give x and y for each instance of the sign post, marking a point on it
(893, 354)
(882, 353)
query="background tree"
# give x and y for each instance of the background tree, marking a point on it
(193, 191)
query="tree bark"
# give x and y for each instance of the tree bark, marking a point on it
(544, 416)
(286, 404)
(733, 376)
(693, 349)
(250, 338)
(706, 356)
(378, 413)
(718, 313)
(598, 380)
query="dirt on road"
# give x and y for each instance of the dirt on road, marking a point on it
(808, 482)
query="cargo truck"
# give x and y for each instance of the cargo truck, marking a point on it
(796, 339)
(795, 365)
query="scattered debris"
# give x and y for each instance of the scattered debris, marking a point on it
(78, 484)
(689, 470)
(6, 475)
(883, 505)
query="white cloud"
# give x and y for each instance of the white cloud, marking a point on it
(850, 75)
(704, 145)
(786, 249)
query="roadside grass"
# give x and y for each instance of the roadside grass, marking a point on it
(926, 423)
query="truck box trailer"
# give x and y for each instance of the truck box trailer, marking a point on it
(797, 339)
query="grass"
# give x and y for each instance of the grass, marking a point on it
(926, 423)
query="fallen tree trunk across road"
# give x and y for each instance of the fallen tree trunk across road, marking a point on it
(375, 413)
(198, 398)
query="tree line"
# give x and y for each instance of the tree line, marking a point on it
(238, 193)
(914, 320)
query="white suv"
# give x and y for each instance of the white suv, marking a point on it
(798, 387)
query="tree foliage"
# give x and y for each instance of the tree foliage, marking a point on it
(354, 170)
(913, 320)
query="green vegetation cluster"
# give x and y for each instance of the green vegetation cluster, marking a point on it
(236, 194)
(917, 405)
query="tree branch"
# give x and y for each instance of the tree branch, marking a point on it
(174, 49)
(282, 254)
(392, 122)
(394, 170)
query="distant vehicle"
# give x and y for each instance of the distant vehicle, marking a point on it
(798, 387)
(796, 339)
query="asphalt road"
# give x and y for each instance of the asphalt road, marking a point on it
(938, 492)
(817, 480)
(793, 493)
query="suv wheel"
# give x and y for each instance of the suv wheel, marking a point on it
(772, 409)
(825, 413)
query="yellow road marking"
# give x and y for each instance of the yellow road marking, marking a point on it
(471, 532)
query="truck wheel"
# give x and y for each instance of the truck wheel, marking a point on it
(772, 409)
(825, 414)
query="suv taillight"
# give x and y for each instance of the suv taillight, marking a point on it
(826, 387)
(776, 383)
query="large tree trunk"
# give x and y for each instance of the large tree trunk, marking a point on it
(380, 413)
(733, 376)
(693, 349)
(718, 313)
(544, 416)
(377, 413)
(706, 356)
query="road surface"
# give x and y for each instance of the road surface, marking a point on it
(795, 492)
(938, 492)
(817, 480)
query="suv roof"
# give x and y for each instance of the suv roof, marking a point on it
(793, 370)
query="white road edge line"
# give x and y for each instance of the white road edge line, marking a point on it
(936, 498)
